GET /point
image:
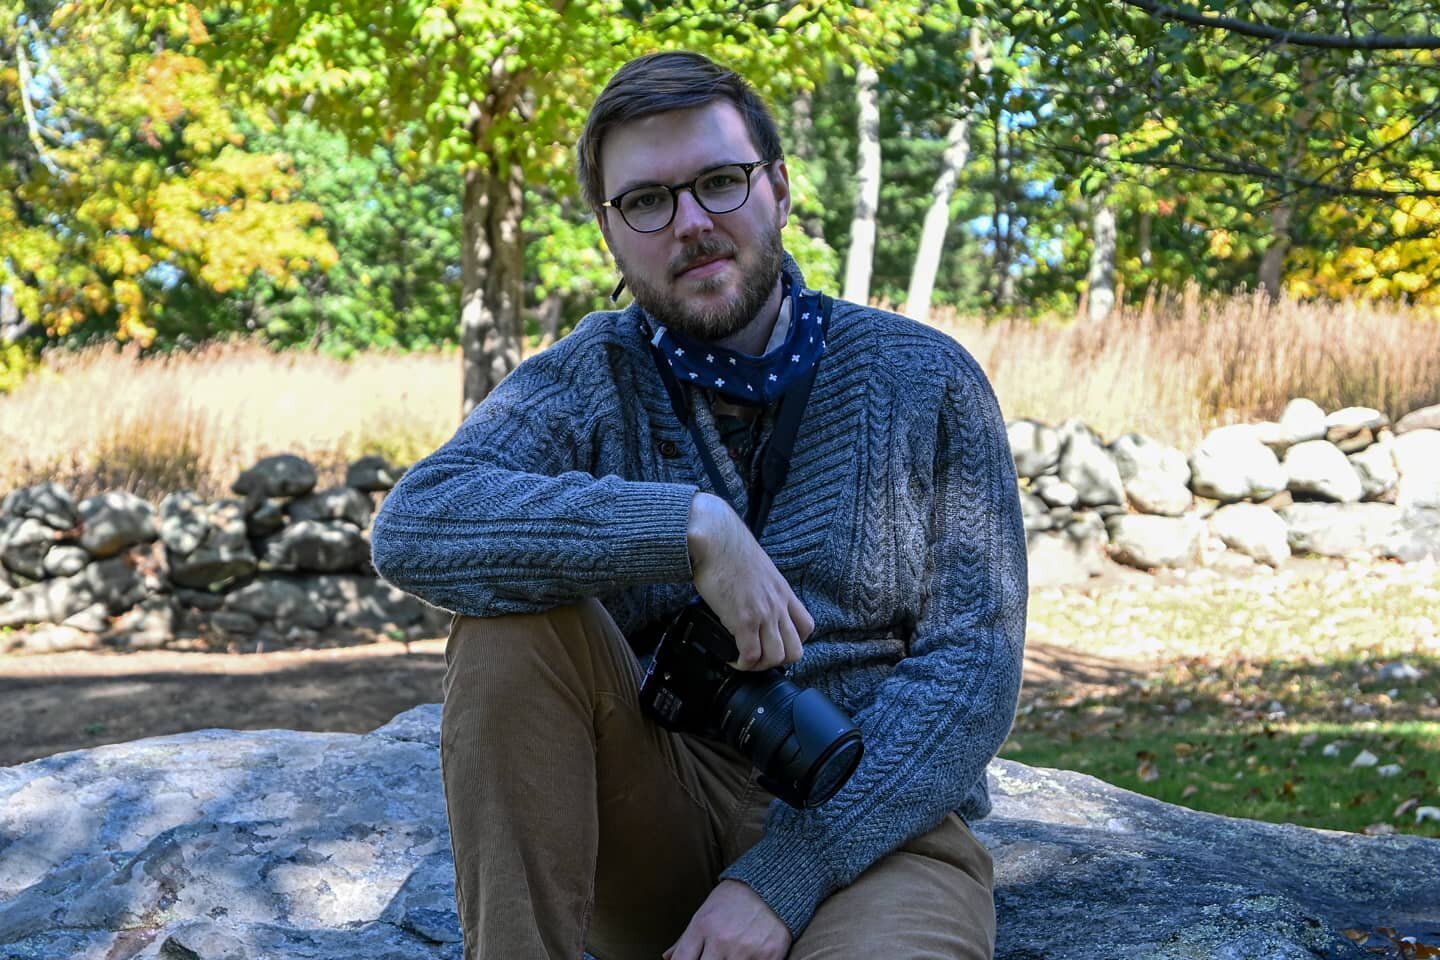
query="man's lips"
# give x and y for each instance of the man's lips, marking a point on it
(703, 267)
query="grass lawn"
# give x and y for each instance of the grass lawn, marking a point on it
(1303, 697)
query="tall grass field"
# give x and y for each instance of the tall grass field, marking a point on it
(1172, 367)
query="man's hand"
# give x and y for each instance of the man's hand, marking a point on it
(740, 583)
(732, 924)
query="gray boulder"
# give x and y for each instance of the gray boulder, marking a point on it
(1148, 542)
(1035, 447)
(1087, 466)
(149, 626)
(112, 582)
(1426, 418)
(1054, 491)
(1231, 464)
(1254, 530)
(1084, 870)
(1354, 428)
(114, 521)
(321, 546)
(1069, 555)
(1345, 530)
(1034, 512)
(1417, 461)
(227, 845)
(373, 474)
(223, 844)
(24, 542)
(1318, 468)
(264, 517)
(285, 475)
(336, 503)
(65, 560)
(1416, 538)
(371, 603)
(206, 543)
(49, 503)
(1156, 476)
(1375, 466)
(275, 599)
(1302, 420)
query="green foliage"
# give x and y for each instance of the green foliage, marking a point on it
(18, 361)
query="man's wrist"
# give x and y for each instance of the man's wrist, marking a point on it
(706, 527)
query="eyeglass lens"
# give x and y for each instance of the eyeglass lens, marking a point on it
(719, 191)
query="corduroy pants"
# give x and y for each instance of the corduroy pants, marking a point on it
(576, 820)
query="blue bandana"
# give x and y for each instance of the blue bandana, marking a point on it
(741, 377)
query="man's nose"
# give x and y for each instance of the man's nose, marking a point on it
(690, 218)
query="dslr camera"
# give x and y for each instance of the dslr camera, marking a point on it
(804, 746)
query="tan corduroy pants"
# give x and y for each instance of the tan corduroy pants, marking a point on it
(575, 819)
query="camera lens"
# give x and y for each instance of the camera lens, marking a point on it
(803, 745)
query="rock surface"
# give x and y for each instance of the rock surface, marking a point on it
(226, 845)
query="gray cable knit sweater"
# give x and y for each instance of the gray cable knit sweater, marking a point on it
(899, 529)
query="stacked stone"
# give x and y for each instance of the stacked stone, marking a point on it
(275, 568)
(1345, 484)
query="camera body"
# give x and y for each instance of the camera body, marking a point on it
(804, 746)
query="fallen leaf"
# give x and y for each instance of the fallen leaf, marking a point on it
(1379, 830)
(1390, 770)
(1189, 791)
(1364, 759)
(1357, 936)
(1406, 807)
(1427, 813)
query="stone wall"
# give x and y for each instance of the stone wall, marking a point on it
(284, 564)
(1347, 484)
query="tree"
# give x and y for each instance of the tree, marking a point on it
(498, 88)
(132, 178)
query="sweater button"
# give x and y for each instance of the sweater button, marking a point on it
(669, 449)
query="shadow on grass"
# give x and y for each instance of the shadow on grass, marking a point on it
(1348, 743)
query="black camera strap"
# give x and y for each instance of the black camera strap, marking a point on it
(773, 463)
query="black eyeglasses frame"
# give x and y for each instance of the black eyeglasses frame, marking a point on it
(748, 167)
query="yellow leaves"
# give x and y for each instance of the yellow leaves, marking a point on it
(198, 33)
(1222, 244)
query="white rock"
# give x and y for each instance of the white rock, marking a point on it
(1302, 420)
(1390, 770)
(1231, 464)
(1254, 530)
(1365, 759)
(1318, 468)
(1417, 460)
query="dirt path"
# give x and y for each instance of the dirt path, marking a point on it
(50, 703)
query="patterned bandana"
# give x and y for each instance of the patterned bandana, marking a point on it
(741, 377)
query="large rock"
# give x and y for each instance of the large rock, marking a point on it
(336, 503)
(1070, 555)
(321, 546)
(1156, 477)
(281, 601)
(1087, 466)
(113, 582)
(1417, 460)
(225, 845)
(1416, 538)
(285, 475)
(1254, 530)
(1149, 542)
(1231, 464)
(372, 474)
(1426, 418)
(1317, 468)
(1354, 428)
(1035, 447)
(24, 542)
(116, 520)
(1346, 530)
(1302, 420)
(206, 543)
(49, 503)
(1375, 465)
(1084, 871)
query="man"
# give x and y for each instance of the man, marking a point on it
(574, 509)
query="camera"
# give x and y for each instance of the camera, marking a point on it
(804, 746)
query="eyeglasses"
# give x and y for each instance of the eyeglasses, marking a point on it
(723, 189)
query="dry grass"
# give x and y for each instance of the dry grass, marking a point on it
(104, 418)
(1180, 364)
(1173, 367)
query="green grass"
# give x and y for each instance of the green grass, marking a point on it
(1264, 739)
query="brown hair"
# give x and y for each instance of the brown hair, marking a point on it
(656, 83)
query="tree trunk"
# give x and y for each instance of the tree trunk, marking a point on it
(1282, 217)
(860, 258)
(1272, 264)
(1100, 281)
(492, 262)
(802, 136)
(937, 222)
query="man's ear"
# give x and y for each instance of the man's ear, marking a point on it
(604, 224)
(780, 185)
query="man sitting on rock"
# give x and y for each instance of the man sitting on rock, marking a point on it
(601, 488)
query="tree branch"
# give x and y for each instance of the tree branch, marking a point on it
(1264, 31)
(32, 125)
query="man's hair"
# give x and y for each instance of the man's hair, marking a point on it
(659, 82)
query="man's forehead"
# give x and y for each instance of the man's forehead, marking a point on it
(674, 145)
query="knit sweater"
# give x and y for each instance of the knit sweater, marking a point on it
(899, 528)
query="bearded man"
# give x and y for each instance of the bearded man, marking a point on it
(599, 491)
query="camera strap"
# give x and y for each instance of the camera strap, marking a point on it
(773, 459)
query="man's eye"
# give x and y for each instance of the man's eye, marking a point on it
(719, 181)
(642, 200)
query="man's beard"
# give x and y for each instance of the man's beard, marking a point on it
(712, 323)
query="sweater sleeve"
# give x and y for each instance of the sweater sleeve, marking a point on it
(510, 515)
(944, 711)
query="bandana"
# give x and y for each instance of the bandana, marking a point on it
(741, 377)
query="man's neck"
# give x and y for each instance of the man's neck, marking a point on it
(753, 337)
